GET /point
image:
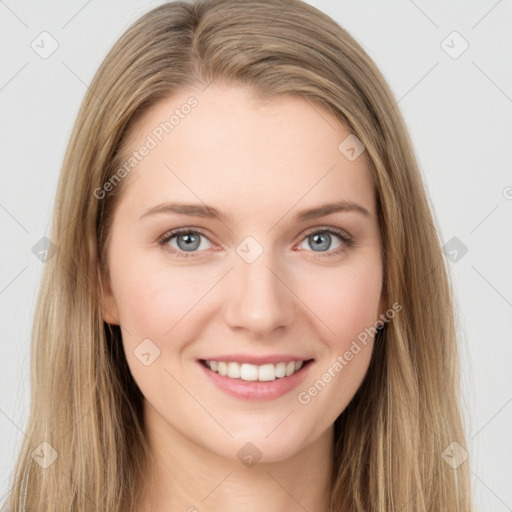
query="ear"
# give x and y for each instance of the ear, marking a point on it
(109, 309)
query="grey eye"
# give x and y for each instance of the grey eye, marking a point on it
(320, 241)
(189, 241)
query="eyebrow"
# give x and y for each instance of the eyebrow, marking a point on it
(209, 212)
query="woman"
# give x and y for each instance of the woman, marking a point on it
(248, 307)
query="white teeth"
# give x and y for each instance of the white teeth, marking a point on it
(223, 368)
(248, 371)
(234, 370)
(267, 372)
(252, 372)
(281, 370)
(290, 368)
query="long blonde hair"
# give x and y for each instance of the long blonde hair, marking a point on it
(85, 404)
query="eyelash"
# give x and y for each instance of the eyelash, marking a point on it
(346, 239)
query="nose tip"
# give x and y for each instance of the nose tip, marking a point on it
(258, 301)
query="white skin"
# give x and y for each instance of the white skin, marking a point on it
(259, 163)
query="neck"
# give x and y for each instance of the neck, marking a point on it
(187, 477)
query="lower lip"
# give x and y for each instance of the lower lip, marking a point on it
(256, 390)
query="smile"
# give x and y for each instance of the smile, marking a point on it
(252, 372)
(250, 381)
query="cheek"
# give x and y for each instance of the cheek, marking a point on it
(344, 303)
(162, 305)
(152, 298)
(347, 308)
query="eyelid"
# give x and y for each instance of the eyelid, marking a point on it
(168, 235)
(177, 231)
(328, 229)
(347, 239)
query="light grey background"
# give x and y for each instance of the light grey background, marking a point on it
(459, 112)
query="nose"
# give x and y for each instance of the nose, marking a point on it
(258, 298)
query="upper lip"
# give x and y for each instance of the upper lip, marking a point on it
(257, 360)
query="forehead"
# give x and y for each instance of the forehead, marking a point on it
(228, 143)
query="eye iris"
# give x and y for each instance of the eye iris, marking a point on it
(192, 241)
(324, 240)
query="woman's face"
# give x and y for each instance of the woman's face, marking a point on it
(263, 272)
